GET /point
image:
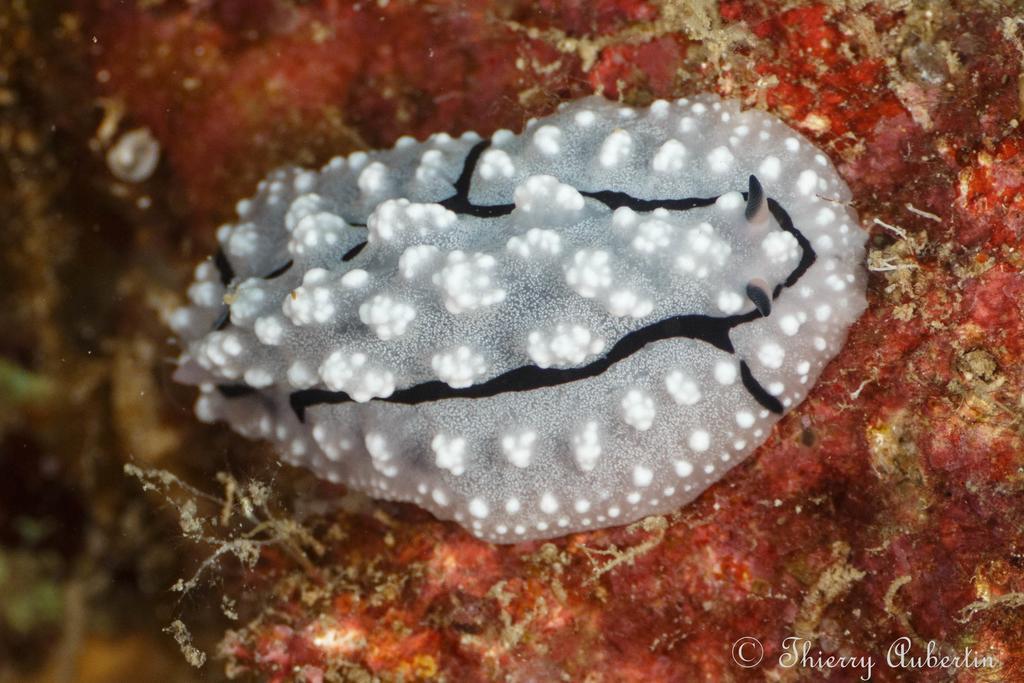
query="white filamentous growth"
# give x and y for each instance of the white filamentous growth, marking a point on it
(441, 300)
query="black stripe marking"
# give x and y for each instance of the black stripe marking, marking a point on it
(762, 302)
(614, 200)
(278, 272)
(459, 202)
(235, 390)
(223, 319)
(353, 252)
(227, 273)
(755, 197)
(757, 391)
(714, 331)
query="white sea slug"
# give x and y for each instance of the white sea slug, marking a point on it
(533, 334)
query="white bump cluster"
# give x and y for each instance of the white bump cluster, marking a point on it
(373, 179)
(418, 260)
(450, 453)
(468, 282)
(653, 235)
(396, 219)
(460, 367)
(720, 159)
(548, 139)
(269, 330)
(244, 240)
(589, 273)
(311, 302)
(386, 317)
(432, 165)
(536, 241)
(638, 410)
(704, 252)
(683, 390)
(221, 353)
(616, 148)
(625, 302)
(544, 193)
(206, 291)
(381, 455)
(353, 374)
(780, 247)
(518, 447)
(249, 300)
(317, 231)
(670, 157)
(586, 446)
(496, 163)
(564, 346)
(307, 205)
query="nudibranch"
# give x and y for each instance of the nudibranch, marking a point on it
(538, 333)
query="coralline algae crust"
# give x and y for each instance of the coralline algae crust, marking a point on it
(533, 334)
